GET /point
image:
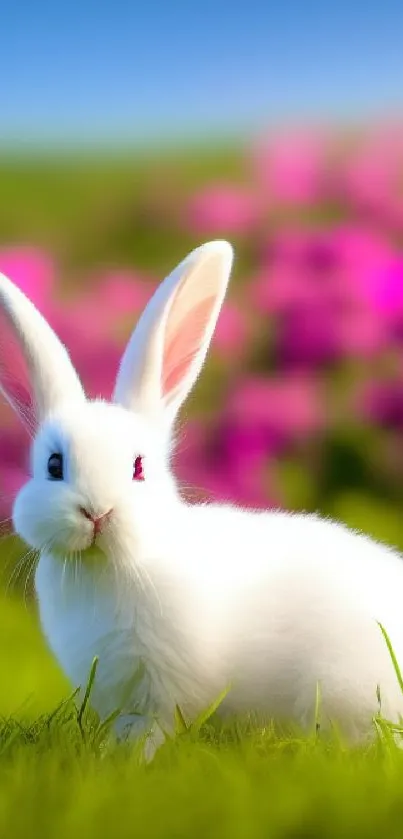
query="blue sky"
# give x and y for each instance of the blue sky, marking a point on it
(129, 71)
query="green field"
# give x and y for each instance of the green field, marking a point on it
(52, 785)
(125, 211)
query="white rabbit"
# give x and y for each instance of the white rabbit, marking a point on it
(180, 601)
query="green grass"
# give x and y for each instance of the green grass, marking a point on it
(108, 210)
(31, 682)
(58, 780)
(61, 774)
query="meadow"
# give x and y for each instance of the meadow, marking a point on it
(300, 405)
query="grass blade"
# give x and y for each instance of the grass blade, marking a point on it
(211, 709)
(61, 705)
(105, 725)
(88, 690)
(318, 699)
(181, 726)
(392, 655)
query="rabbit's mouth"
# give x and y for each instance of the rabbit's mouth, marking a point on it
(90, 543)
(76, 542)
(93, 554)
(90, 551)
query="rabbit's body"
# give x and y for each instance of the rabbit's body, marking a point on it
(270, 603)
(180, 602)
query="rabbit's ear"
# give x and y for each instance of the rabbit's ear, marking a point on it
(167, 349)
(36, 374)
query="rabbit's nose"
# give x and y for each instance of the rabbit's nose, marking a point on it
(98, 521)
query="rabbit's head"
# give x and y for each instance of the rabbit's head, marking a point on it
(100, 470)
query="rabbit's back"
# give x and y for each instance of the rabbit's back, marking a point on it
(297, 600)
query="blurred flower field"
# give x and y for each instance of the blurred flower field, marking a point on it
(301, 402)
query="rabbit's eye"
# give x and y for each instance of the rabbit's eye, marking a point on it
(55, 467)
(138, 470)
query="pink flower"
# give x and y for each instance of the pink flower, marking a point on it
(14, 466)
(308, 335)
(230, 460)
(95, 354)
(100, 311)
(273, 412)
(12, 479)
(223, 209)
(317, 333)
(370, 176)
(291, 168)
(326, 289)
(98, 366)
(231, 332)
(387, 288)
(207, 471)
(280, 289)
(226, 486)
(89, 325)
(32, 271)
(122, 293)
(382, 403)
(79, 325)
(362, 334)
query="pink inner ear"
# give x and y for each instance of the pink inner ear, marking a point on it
(184, 343)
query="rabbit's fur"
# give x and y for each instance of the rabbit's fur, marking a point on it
(181, 601)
